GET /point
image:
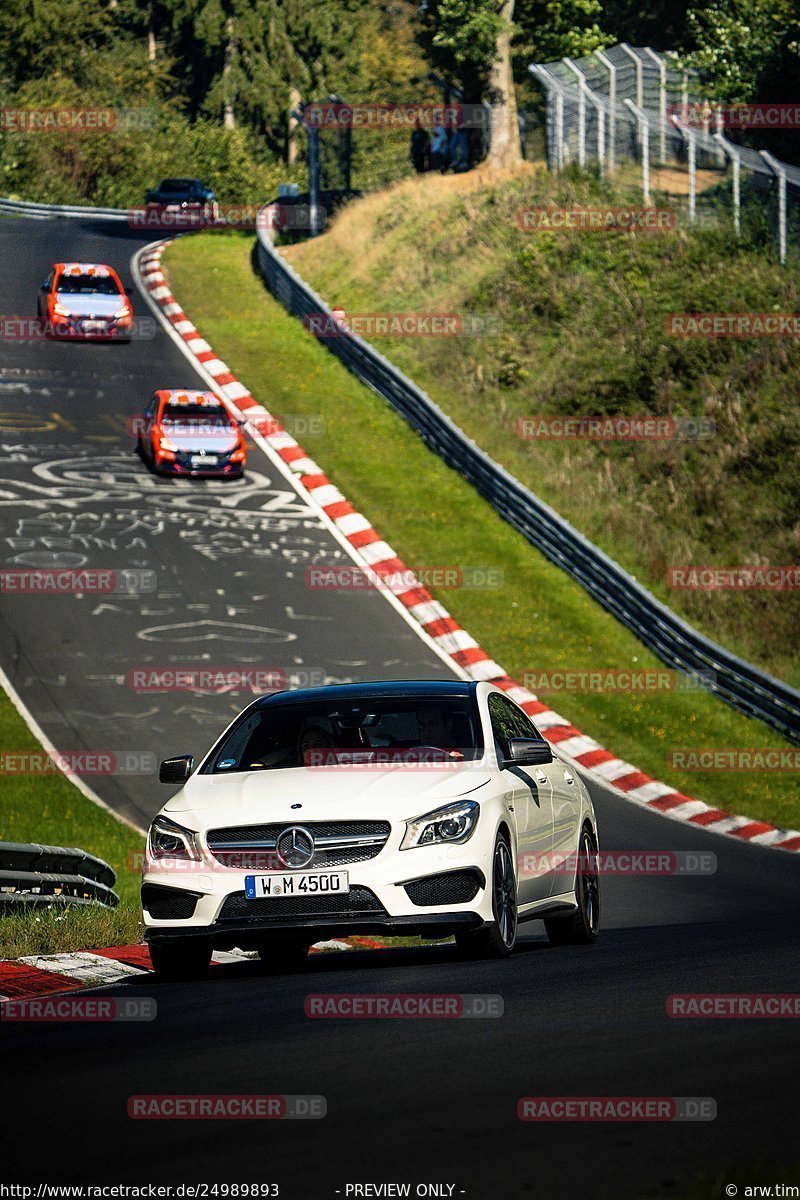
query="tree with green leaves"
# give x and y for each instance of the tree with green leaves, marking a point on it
(477, 43)
(747, 49)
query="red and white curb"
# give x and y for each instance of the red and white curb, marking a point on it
(432, 617)
(52, 974)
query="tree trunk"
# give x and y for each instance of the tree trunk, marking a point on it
(292, 149)
(228, 116)
(151, 35)
(505, 148)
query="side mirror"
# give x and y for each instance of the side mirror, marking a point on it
(45, 285)
(527, 752)
(176, 770)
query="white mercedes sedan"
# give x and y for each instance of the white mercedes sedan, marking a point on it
(427, 808)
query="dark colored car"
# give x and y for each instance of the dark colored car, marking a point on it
(176, 194)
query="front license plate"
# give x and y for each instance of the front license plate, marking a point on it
(94, 327)
(299, 883)
(204, 460)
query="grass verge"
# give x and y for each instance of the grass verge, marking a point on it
(52, 811)
(539, 619)
(580, 331)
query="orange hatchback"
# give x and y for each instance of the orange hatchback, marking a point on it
(85, 301)
(190, 433)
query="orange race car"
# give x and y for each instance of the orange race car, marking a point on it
(84, 300)
(190, 433)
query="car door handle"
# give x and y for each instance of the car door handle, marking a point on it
(568, 778)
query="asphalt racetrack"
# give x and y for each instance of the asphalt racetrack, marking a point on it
(423, 1101)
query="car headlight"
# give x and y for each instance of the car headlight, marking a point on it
(122, 312)
(59, 310)
(167, 839)
(452, 824)
(165, 444)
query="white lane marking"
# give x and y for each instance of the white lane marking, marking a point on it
(47, 745)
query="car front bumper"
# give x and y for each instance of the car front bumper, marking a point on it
(72, 329)
(398, 894)
(229, 471)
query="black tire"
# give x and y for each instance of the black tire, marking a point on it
(281, 957)
(581, 927)
(187, 959)
(497, 939)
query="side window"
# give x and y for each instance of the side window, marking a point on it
(508, 722)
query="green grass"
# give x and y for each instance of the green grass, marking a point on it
(583, 334)
(539, 620)
(52, 811)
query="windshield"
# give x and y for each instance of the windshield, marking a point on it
(195, 416)
(85, 285)
(178, 185)
(380, 733)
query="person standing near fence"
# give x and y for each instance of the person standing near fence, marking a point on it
(459, 150)
(439, 154)
(420, 148)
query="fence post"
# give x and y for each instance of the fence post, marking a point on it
(719, 125)
(779, 171)
(601, 136)
(612, 107)
(581, 110)
(559, 130)
(555, 115)
(313, 167)
(313, 178)
(691, 152)
(637, 62)
(644, 137)
(732, 153)
(662, 101)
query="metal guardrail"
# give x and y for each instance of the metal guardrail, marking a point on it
(26, 208)
(32, 875)
(739, 683)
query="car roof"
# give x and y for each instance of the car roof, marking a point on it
(416, 689)
(189, 396)
(85, 268)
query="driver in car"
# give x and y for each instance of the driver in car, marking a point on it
(436, 730)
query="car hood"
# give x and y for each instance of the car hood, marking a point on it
(90, 306)
(323, 793)
(210, 443)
